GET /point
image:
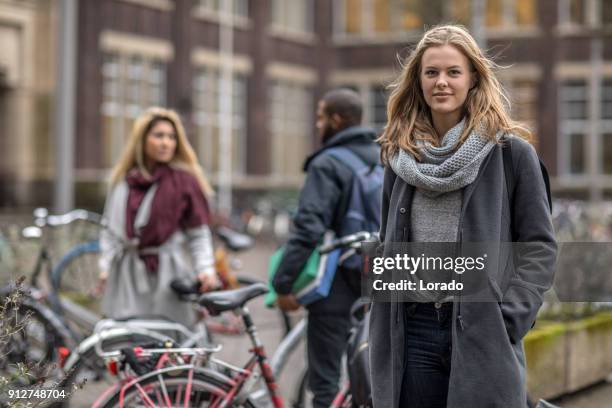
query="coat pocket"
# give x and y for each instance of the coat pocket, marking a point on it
(519, 306)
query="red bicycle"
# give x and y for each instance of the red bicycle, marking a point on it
(182, 377)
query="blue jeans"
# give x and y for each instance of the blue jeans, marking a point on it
(427, 355)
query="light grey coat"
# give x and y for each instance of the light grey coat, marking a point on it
(130, 289)
(488, 362)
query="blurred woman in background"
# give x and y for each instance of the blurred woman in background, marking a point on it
(156, 204)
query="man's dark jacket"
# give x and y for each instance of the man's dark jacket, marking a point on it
(323, 201)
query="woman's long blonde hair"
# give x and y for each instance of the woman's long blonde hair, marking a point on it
(409, 116)
(133, 155)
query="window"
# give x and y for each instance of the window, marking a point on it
(374, 97)
(606, 99)
(371, 17)
(577, 12)
(574, 113)
(583, 126)
(577, 151)
(525, 12)
(573, 12)
(461, 11)
(353, 16)
(510, 13)
(494, 13)
(293, 15)
(378, 107)
(291, 125)
(606, 151)
(206, 83)
(239, 7)
(606, 12)
(130, 84)
(574, 100)
(367, 17)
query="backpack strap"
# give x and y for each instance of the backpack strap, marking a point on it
(509, 173)
(508, 168)
(347, 156)
(547, 183)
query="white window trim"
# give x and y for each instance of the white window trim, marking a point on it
(286, 33)
(164, 5)
(130, 44)
(297, 74)
(239, 22)
(208, 57)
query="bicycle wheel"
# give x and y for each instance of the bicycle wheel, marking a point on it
(170, 389)
(76, 275)
(90, 369)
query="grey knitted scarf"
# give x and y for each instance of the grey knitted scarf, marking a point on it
(445, 168)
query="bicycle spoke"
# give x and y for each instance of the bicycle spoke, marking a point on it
(162, 383)
(177, 399)
(145, 398)
(188, 388)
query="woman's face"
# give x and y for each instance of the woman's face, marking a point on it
(446, 78)
(160, 143)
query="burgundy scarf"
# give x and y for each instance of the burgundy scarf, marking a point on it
(178, 204)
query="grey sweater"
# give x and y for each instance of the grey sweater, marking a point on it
(435, 219)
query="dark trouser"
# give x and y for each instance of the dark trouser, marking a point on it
(327, 337)
(328, 330)
(428, 355)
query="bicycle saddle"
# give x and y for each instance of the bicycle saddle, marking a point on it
(234, 240)
(222, 301)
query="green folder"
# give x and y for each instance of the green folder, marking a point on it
(308, 273)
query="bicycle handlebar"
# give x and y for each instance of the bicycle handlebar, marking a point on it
(346, 241)
(72, 216)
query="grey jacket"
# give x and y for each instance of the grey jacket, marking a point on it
(488, 362)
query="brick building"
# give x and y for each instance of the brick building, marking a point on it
(134, 53)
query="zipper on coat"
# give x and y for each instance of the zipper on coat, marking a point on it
(397, 303)
(459, 317)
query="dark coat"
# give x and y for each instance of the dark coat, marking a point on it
(323, 202)
(488, 362)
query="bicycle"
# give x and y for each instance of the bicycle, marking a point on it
(233, 387)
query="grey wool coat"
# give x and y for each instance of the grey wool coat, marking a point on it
(488, 361)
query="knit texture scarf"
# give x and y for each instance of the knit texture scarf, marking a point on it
(445, 168)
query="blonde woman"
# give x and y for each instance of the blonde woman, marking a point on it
(445, 182)
(157, 202)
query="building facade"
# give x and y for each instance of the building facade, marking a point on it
(555, 61)
(27, 78)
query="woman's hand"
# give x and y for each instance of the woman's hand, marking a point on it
(208, 281)
(98, 290)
